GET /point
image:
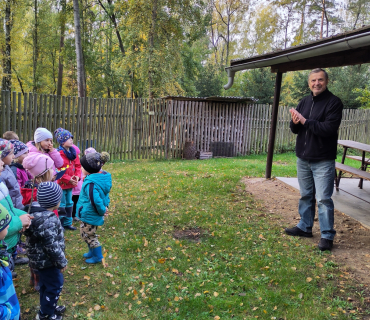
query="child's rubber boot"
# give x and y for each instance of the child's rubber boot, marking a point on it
(88, 254)
(97, 255)
(67, 220)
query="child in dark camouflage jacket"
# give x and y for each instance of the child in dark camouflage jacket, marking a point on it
(45, 249)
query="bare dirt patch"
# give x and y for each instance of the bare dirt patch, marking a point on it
(351, 244)
(192, 234)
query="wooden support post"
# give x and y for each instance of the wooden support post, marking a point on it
(274, 115)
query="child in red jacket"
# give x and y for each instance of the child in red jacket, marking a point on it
(70, 178)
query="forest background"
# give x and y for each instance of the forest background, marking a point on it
(154, 48)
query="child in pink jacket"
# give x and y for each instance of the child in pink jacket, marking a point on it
(43, 143)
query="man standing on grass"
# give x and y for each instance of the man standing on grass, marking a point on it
(316, 121)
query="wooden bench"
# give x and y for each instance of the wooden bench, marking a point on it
(358, 158)
(355, 172)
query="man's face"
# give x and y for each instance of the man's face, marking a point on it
(317, 83)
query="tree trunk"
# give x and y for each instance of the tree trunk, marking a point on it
(61, 45)
(79, 56)
(35, 50)
(151, 46)
(322, 18)
(7, 62)
(112, 17)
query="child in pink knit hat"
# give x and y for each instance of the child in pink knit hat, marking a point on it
(41, 167)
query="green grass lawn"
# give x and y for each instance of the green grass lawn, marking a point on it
(243, 266)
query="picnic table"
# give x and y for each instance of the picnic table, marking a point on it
(341, 167)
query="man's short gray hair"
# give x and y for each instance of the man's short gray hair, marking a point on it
(317, 70)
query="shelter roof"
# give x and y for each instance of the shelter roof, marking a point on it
(349, 48)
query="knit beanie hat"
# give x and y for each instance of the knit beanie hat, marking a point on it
(19, 148)
(92, 162)
(89, 150)
(6, 148)
(62, 135)
(42, 134)
(49, 194)
(5, 217)
(37, 163)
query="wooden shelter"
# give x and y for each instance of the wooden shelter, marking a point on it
(344, 49)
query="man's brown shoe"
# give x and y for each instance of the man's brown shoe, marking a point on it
(296, 232)
(325, 244)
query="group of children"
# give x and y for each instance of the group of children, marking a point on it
(38, 184)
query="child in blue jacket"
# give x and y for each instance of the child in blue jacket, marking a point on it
(9, 305)
(93, 202)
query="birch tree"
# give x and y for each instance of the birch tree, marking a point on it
(81, 81)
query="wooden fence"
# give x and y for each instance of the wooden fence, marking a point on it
(158, 128)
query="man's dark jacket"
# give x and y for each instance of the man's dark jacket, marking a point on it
(317, 138)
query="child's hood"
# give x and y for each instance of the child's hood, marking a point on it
(31, 146)
(4, 192)
(103, 180)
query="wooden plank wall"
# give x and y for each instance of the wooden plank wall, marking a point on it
(157, 128)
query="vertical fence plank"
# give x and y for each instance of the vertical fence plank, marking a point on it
(14, 112)
(90, 117)
(63, 123)
(8, 108)
(163, 104)
(125, 128)
(35, 112)
(3, 114)
(30, 112)
(68, 119)
(19, 116)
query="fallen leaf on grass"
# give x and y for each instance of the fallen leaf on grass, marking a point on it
(261, 237)
(197, 295)
(24, 291)
(309, 279)
(116, 295)
(162, 260)
(87, 277)
(215, 294)
(109, 275)
(176, 299)
(97, 307)
(145, 242)
(217, 318)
